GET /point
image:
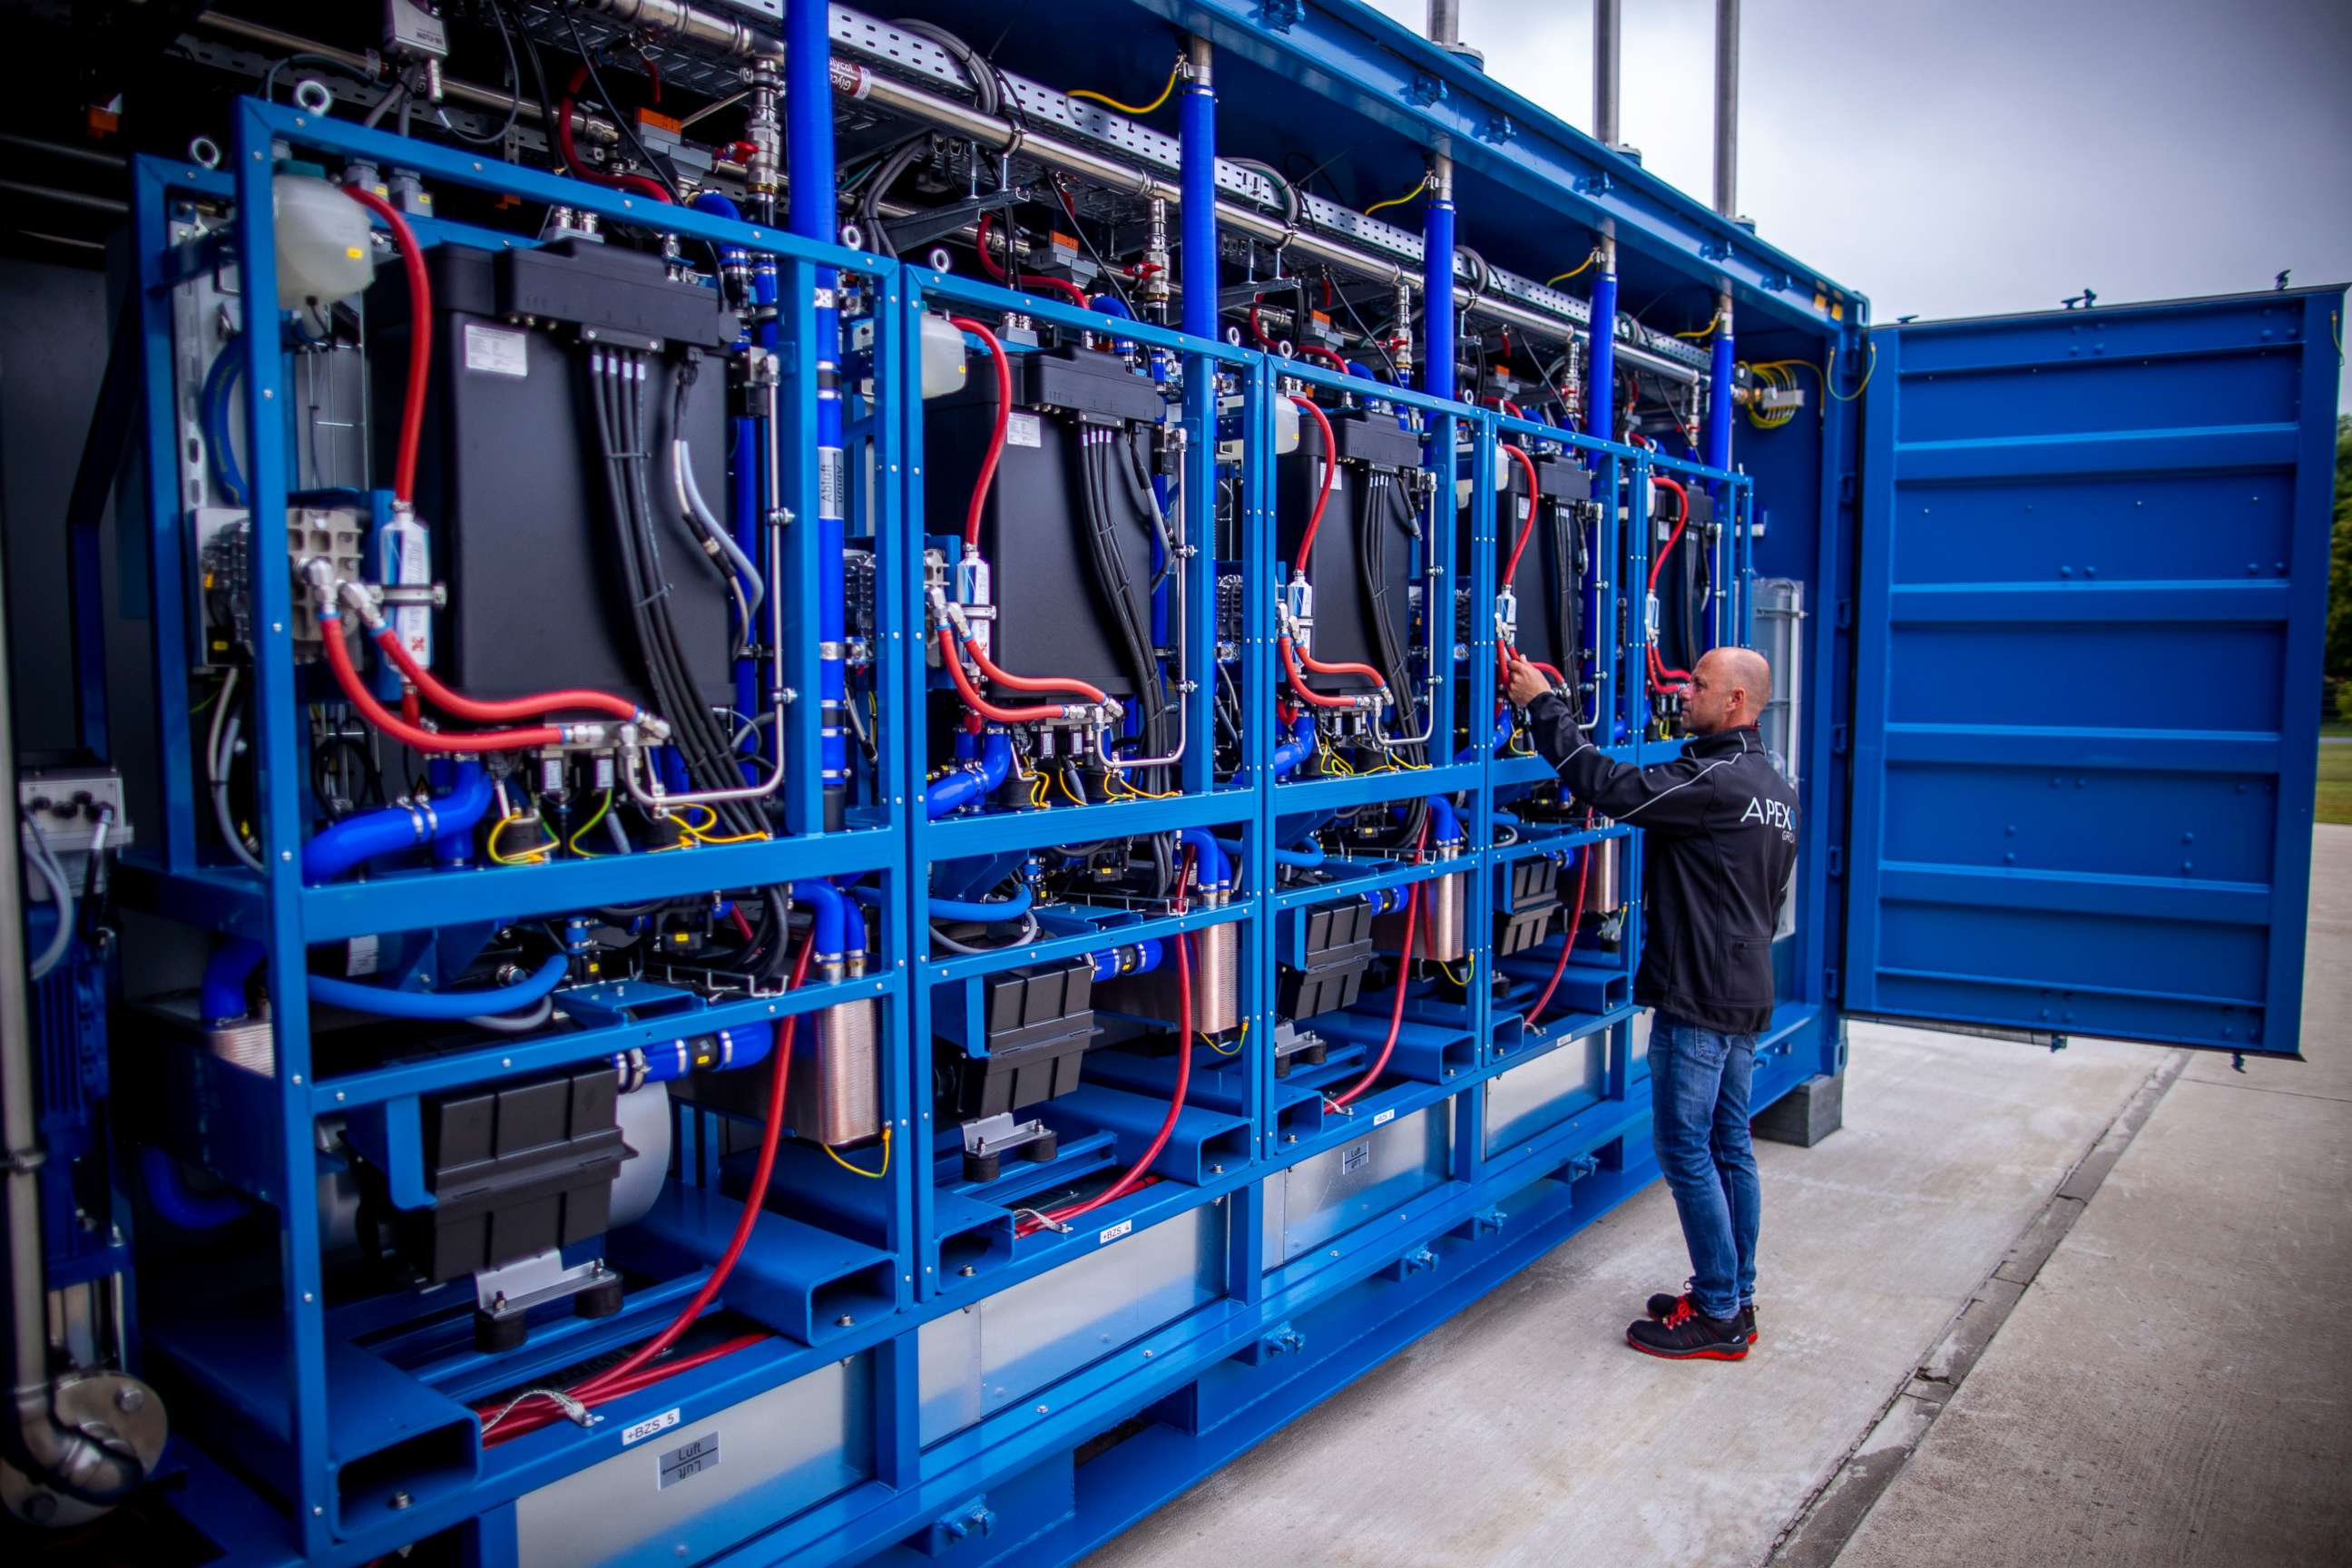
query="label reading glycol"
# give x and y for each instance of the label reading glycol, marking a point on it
(1115, 1232)
(689, 1459)
(496, 350)
(648, 1426)
(1023, 430)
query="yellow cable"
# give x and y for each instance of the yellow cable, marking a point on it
(1239, 1041)
(1067, 793)
(1869, 368)
(857, 1171)
(1578, 272)
(572, 843)
(533, 857)
(1174, 73)
(1706, 332)
(1399, 201)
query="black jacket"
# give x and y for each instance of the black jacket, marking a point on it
(1722, 845)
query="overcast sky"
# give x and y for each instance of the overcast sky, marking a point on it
(1957, 157)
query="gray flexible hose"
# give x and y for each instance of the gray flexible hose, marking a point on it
(1028, 933)
(46, 862)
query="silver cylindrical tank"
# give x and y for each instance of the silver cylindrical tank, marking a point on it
(1445, 926)
(835, 1095)
(1604, 886)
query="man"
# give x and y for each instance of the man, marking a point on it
(1721, 845)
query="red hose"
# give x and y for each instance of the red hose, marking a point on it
(1575, 913)
(1404, 974)
(1134, 1175)
(579, 167)
(458, 705)
(988, 263)
(1322, 496)
(1527, 523)
(1003, 418)
(1013, 683)
(420, 339)
(1681, 518)
(1032, 281)
(529, 1421)
(1316, 351)
(626, 1378)
(339, 660)
(1257, 332)
(1307, 693)
(970, 693)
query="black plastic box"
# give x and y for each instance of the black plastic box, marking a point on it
(1039, 1021)
(1053, 614)
(1533, 898)
(1373, 453)
(516, 1171)
(1335, 941)
(509, 481)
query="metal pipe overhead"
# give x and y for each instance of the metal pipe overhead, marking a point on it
(1727, 108)
(1608, 32)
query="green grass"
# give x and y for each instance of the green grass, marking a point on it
(2336, 726)
(2334, 784)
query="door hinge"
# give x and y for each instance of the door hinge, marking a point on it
(1837, 740)
(1847, 489)
(1845, 614)
(1837, 862)
(1829, 978)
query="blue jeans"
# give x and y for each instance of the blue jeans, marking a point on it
(1698, 1103)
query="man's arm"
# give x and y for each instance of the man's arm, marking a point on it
(1669, 798)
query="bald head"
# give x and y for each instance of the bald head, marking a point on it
(1729, 689)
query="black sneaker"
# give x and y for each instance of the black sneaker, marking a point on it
(1663, 1305)
(1685, 1333)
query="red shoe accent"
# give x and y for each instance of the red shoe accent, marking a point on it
(1740, 1355)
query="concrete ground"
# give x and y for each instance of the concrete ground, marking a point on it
(2165, 1388)
(2175, 1386)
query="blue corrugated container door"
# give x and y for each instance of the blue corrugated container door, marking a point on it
(2093, 578)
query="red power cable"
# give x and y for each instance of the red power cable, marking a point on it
(1664, 676)
(1316, 351)
(1404, 972)
(339, 660)
(996, 452)
(1527, 523)
(1013, 683)
(1307, 693)
(1029, 280)
(420, 339)
(458, 705)
(1575, 913)
(1322, 496)
(626, 1377)
(970, 693)
(1133, 1176)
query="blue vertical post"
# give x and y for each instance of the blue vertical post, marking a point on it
(808, 146)
(1196, 131)
(276, 713)
(1601, 383)
(1197, 144)
(1717, 453)
(1438, 280)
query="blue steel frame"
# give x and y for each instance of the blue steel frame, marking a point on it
(1215, 1380)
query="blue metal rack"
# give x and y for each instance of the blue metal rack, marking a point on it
(1524, 1134)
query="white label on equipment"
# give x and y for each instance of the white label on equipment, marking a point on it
(1355, 1158)
(1384, 1118)
(362, 956)
(1115, 1232)
(496, 350)
(689, 1459)
(1023, 430)
(832, 482)
(648, 1426)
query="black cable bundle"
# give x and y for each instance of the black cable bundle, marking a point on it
(1123, 594)
(617, 381)
(1379, 515)
(1567, 585)
(1386, 504)
(1694, 586)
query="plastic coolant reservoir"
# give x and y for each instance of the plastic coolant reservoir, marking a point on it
(943, 357)
(1286, 426)
(324, 250)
